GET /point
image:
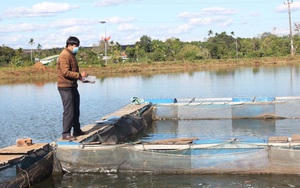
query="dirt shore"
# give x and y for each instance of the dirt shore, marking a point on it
(41, 73)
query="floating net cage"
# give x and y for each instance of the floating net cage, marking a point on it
(195, 136)
(230, 158)
(229, 108)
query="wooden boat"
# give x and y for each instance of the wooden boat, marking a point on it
(25, 166)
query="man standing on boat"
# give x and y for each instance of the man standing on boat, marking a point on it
(67, 76)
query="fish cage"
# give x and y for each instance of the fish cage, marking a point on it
(177, 136)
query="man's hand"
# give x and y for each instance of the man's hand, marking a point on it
(84, 74)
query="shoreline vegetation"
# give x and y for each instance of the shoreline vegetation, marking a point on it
(39, 73)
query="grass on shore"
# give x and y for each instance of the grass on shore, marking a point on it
(10, 75)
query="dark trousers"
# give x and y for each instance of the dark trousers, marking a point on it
(71, 102)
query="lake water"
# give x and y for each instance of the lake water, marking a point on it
(35, 110)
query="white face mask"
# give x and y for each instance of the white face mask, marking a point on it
(75, 50)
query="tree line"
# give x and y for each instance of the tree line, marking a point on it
(216, 46)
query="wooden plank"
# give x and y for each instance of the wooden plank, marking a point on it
(147, 146)
(23, 150)
(89, 130)
(278, 139)
(174, 141)
(295, 138)
(5, 159)
(94, 128)
(129, 109)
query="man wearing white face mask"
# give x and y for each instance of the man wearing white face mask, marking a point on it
(67, 76)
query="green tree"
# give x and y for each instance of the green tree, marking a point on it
(210, 33)
(131, 52)
(236, 45)
(116, 52)
(145, 43)
(172, 47)
(273, 46)
(158, 50)
(39, 49)
(31, 42)
(296, 42)
(6, 55)
(192, 52)
(246, 49)
(221, 46)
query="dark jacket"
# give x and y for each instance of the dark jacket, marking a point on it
(67, 69)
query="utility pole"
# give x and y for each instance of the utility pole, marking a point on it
(105, 48)
(288, 3)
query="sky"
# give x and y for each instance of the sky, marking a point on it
(50, 23)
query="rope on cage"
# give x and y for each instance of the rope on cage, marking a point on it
(25, 178)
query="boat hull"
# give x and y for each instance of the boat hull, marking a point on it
(32, 175)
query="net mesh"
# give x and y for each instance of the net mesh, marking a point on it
(239, 158)
(233, 109)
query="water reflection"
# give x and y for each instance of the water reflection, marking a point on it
(224, 129)
(174, 181)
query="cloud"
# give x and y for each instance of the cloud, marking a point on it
(129, 37)
(225, 23)
(218, 11)
(118, 20)
(74, 30)
(128, 27)
(202, 21)
(254, 14)
(194, 22)
(70, 25)
(189, 14)
(72, 22)
(62, 23)
(284, 7)
(23, 27)
(106, 3)
(207, 16)
(208, 12)
(52, 40)
(244, 22)
(181, 29)
(42, 9)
